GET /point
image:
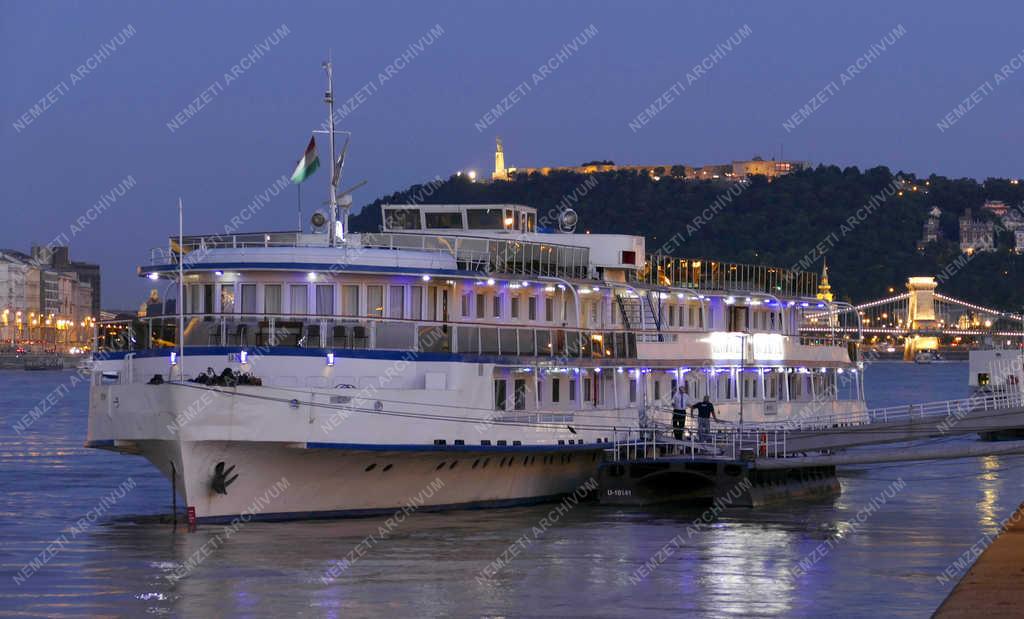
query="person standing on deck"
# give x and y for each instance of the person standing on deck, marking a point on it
(705, 412)
(680, 405)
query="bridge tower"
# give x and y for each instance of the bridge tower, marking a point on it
(920, 316)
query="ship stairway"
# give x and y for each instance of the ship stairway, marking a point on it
(639, 312)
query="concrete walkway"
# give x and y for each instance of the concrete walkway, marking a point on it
(994, 586)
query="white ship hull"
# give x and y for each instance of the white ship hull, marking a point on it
(277, 482)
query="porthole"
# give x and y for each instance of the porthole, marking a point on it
(486, 462)
(439, 466)
(370, 467)
(386, 468)
(476, 462)
(452, 465)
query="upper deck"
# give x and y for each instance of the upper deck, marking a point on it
(496, 239)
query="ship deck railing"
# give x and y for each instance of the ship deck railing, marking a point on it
(703, 274)
(545, 344)
(472, 253)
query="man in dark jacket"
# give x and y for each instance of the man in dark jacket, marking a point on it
(705, 412)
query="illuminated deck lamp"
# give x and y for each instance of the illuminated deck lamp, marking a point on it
(243, 357)
(153, 276)
(330, 359)
(174, 358)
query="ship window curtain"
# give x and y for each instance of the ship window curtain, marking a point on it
(416, 303)
(299, 298)
(396, 302)
(195, 294)
(375, 301)
(325, 300)
(272, 299)
(249, 298)
(350, 300)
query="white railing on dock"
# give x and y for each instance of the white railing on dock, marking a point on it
(723, 442)
(983, 401)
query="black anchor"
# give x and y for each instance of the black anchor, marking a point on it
(220, 480)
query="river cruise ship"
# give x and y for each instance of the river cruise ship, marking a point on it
(464, 349)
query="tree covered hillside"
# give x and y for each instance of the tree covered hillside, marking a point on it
(866, 223)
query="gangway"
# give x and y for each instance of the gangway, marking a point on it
(894, 424)
(760, 464)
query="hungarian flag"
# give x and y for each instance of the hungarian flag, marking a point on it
(308, 164)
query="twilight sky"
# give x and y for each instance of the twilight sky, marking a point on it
(110, 119)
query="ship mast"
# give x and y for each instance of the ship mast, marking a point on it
(337, 162)
(333, 197)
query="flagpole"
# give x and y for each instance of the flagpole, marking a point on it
(299, 187)
(181, 292)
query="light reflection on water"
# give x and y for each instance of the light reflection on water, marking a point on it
(735, 566)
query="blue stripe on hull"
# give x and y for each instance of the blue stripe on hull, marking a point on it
(458, 448)
(365, 513)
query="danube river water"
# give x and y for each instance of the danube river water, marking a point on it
(588, 563)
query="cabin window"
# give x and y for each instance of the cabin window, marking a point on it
(556, 387)
(484, 219)
(396, 302)
(632, 390)
(519, 396)
(588, 386)
(299, 298)
(416, 302)
(375, 300)
(248, 298)
(480, 299)
(593, 314)
(531, 222)
(442, 221)
(350, 300)
(549, 309)
(227, 298)
(572, 389)
(749, 387)
(402, 219)
(532, 308)
(465, 305)
(272, 299)
(325, 299)
(499, 394)
(514, 307)
(657, 389)
(671, 315)
(496, 306)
